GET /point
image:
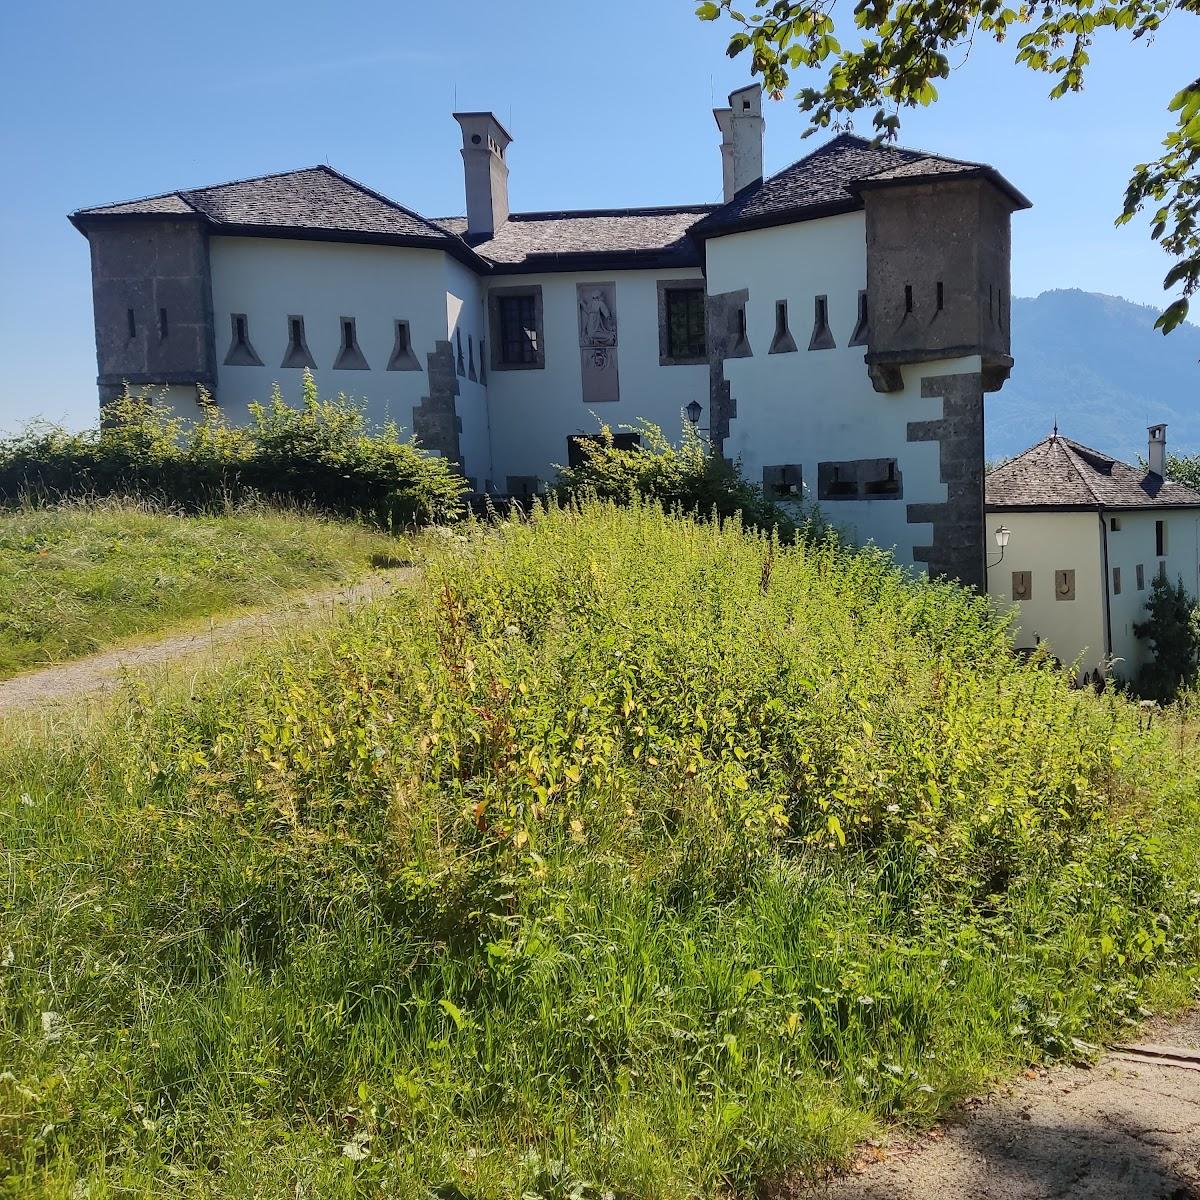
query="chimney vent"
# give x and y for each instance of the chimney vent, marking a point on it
(485, 141)
(741, 126)
(1156, 458)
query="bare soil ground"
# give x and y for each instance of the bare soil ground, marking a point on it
(104, 672)
(1127, 1128)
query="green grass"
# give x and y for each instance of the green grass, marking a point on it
(621, 854)
(78, 578)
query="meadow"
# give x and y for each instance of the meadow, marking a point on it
(621, 855)
(81, 576)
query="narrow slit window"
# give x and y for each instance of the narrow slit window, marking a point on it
(1116, 581)
(403, 358)
(822, 336)
(741, 326)
(782, 342)
(241, 352)
(941, 296)
(471, 375)
(297, 354)
(1160, 538)
(1114, 524)
(908, 297)
(859, 336)
(1140, 572)
(350, 357)
(460, 366)
(131, 323)
(162, 324)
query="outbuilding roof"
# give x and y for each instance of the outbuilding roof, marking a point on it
(1059, 473)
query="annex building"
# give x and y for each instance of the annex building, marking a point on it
(837, 323)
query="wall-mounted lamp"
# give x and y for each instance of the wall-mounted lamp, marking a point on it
(693, 411)
(1003, 533)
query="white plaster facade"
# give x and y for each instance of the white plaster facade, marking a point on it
(316, 245)
(1112, 549)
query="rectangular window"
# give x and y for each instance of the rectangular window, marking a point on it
(1114, 524)
(516, 328)
(518, 332)
(684, 321)
(1140, 571)
(162, 323)
(1116, 581)
(784, 482)
(860, 479)
(1160, 538)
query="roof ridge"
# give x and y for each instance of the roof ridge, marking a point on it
(370, 191)
(1071, 454)
(95, 208)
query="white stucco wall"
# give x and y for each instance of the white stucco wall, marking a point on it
(1043, 543)
(813, 406)
(533, 412)
(465, 315)
(269, 279)
(1132, 544)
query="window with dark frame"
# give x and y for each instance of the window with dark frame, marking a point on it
(1116, 581)
(1141, 577)
(1160, 538)
(685, 322)
(518, 330)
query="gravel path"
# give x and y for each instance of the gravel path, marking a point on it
(1125, 1129)
(104, 672)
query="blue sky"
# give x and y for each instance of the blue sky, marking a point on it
(609, 105)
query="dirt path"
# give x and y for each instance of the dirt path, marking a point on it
(104, 672)
(1126, 1129)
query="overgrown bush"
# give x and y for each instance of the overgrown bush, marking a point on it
(690, 477)
(1172, 627)
(621, 854)
(322, 454)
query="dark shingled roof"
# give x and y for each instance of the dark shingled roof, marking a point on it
(829, 181)
(535, 240)
(314, 201)
(319, 202)
(1060, 473)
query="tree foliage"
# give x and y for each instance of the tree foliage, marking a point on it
(901, 47)
(1184, 468)
(1172, 627)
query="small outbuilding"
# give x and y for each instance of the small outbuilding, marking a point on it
(1085, 536)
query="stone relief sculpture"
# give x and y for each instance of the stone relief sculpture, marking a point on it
(598, 342)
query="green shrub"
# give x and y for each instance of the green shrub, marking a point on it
(691, 478)
(1172, 627)
(321, 454)
(621, 854)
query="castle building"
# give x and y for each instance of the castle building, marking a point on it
(837, 323)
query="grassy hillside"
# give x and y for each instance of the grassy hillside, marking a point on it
(621, 855)
(81, 577)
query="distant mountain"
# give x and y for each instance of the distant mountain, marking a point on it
(1098, 365)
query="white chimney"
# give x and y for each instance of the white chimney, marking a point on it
(741, 126)
(484, 142)
(1156, 458)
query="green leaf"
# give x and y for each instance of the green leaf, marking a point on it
(455, 1013)
(708, 12)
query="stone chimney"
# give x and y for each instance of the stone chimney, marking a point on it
(485, 141)
(741, 126)
(1156, 457)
